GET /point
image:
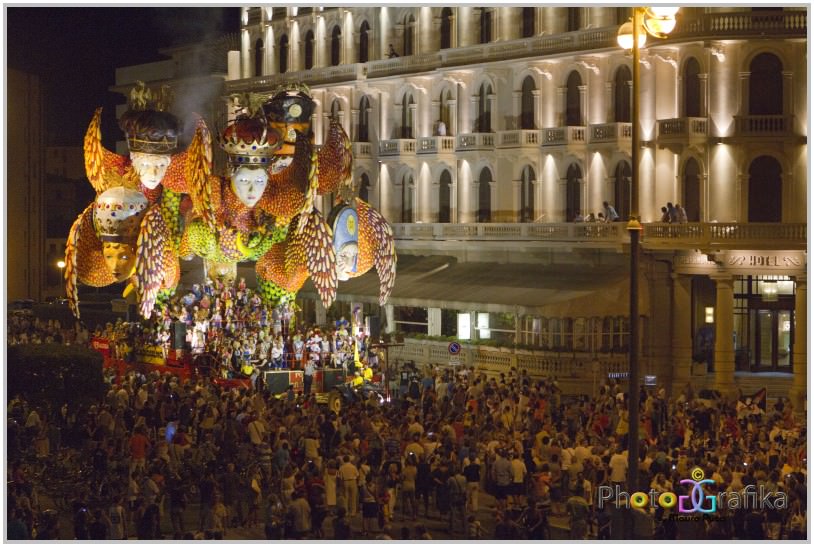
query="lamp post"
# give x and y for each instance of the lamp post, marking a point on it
(657, 22)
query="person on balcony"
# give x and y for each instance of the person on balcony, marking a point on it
(610, 213)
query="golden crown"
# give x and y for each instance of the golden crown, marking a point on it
(240, 150)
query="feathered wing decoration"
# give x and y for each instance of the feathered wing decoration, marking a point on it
(376, 240)
(308, 253)
(335, 160)
(98, 159)
(151, 247)
(200, 180)
(177, 176)
(84, 261)
(315, 242)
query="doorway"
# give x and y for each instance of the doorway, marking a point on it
(771, 339)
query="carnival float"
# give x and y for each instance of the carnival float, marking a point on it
(160, 205)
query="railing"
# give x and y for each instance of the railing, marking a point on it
(693, 235)
(493, 360)
(396, 147)
(725, 235)
(475, 141)
(435, 145)
(362, 150)
(767, 126)
(611, 132)
(683, 127)
(743, 25)
(315, 76)
(553, 136)
(519, 138)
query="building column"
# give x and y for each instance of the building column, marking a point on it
(517, 188)
(453, 203)
(537, 93)
(682, 332)
(516, 109)
(354, 125)
(704, 81)
(390, 320)
(560, 106)
(799, 385)
(452, 105)
(583, 104)
(322, 313)
(436, 115)
(724, 326)
(434, 321)
(473, 113)
(492, 113)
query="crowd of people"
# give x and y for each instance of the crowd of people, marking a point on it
(500, 457)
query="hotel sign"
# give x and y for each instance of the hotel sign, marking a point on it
(743, 262)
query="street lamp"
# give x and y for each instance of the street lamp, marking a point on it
(658, 22)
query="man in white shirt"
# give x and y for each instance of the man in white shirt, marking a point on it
(519, 472)
(618, 468)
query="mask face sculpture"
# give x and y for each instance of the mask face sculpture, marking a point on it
(117, 216)
(249, 183)
(150, 168)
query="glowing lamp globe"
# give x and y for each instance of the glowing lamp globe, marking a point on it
(625, 36)
(663, 11)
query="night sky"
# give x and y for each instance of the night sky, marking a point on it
(75, 50)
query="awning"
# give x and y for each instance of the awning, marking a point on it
(564, 290)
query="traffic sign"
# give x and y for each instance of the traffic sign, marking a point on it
(454, 348)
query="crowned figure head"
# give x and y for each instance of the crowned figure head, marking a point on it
(289, 112)
(151, 131)
(249, 144)
(117, 216)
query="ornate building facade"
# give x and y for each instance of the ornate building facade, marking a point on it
(482, 134)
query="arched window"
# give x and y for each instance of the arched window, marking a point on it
(407, 198)
(445, 197)
(573, 109)
(621, 189)
(336, 45)
(574, 19)
(573, 191)
(692, 88)
(309, 50)
(766, 85)
(527, 194)
(363, 42)
(527, 29)
(407, 116)
(485, 196)
(446, 28)
(364, 120)
(621, 95)
(409, 33)
(485, 25)
(692, 190)
(483, 124)
(364, 188)
(765, 190)
(283, 53)
(258, 57)
(527, 104)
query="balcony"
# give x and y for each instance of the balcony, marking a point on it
(764, 126)
(313, 77)
(475, 141)
(397, 147)
(362, 150)
(616, 133)
(436, 145)
(562, 136)
(719, 26)
(520, 138)
(656, 236)
(683, 128)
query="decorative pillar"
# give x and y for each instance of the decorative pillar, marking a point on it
(743, 107)
(389, 317)
(453, 202)
(434, 321)
(799, 357)
(704, 106)
(609, 103)
(538, 199)
(492, 112)
(538, 122)
(414, 131)
(560, 112)
(517, 188)
(322, 313)
(453, 28)
(516, 110)
(436, 114)
(724, 327)
(583, 105)
(473, 113)
(474, 196)
(788, 97)
(452, 105)
(682, 332)
(354, 125)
